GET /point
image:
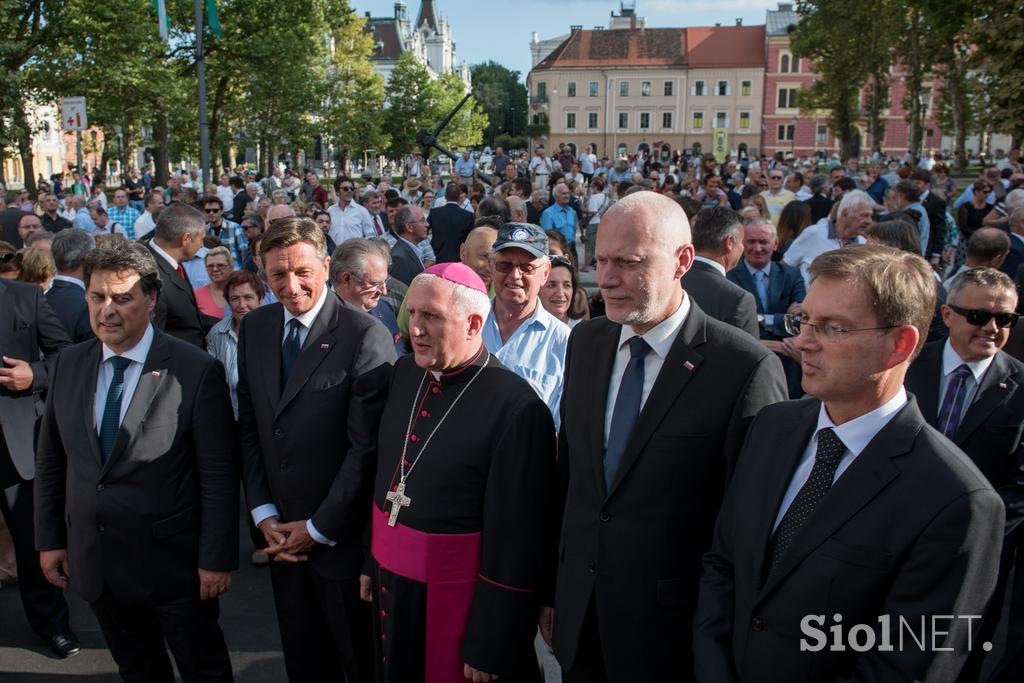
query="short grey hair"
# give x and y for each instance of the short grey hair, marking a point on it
(712, 226)
(819, 181)
(853, 200)
(70, 247)
(78, 201)
(516, 207)
(176, 220)
(981, 277)
(1017, 216)
(279, 193)
(758, 220)
(402, 217)
(350, 257)
(1014, 199)
(465, 300)
(252, 186)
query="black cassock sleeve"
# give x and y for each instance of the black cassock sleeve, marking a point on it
(518, 505)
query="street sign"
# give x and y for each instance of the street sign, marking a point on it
(72, 112)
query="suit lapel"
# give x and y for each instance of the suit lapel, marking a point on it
(927, 373)
(745, 280)
(87, 385)
(319, 343)
(679, 367)
(996, 387)
(269, 351)
(604, 357)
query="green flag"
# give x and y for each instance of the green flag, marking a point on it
(163, 20)
(211, 17)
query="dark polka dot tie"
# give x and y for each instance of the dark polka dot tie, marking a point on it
(826, 461)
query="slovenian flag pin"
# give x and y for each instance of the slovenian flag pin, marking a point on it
(688, 365)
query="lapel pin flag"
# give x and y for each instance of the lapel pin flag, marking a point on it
(1002, 385)
(324, 347)
(155, 373)
(688, 365)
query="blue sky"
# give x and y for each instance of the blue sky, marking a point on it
(500, 31)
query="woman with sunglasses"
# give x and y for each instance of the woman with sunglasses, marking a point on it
(971, 215)
(560, 292)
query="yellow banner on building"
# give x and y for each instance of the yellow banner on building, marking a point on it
(720, 145)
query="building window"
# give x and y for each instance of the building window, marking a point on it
(784, 63)
(666, 119)
(623, 120)
(623, 88)
(668, 88)
(723, 88)
(787, 98)
(570, 120)
(645, 88)
(745, 89)
(794, 65)
(542, 89)
(786, 132)
(821, 136)
(698, 120)
(698, 89)
(721, 119)
(593, 88)
(645, 120)
(744, 120)
(570, 89)
(592, 119)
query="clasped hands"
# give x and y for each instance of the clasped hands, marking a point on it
(287, 541)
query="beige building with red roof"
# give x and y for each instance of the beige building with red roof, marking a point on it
(633, 88)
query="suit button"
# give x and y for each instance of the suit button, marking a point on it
(605, 516)
(591, 567)
(278, 433)
(283, 466)
(99, 487)
(101, 528)
(756, 624)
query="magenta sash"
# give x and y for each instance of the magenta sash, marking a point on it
(449, 564)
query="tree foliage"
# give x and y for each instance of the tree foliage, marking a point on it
(998, 35)
(503, 97)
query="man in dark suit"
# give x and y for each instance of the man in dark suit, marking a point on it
(240, 200)
(28, 330)
(1015, 259)
(718, 243)
(655, 405)
(987, 422)
(313, 374)
(820, 202)
(935, 207)
(847, 509)
(449, 225)
(177, 238)
(137, 480)
(777, 288)
(411, 228)
(66, 295)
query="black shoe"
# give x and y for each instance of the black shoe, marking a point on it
(65, 645)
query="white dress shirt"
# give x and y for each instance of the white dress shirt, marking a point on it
(660, 338)
(132, 374)
(352, 222)
(266, 510)
(68, 278)
(951, 360)
(163, 254)
(855, 435)
(714, 264)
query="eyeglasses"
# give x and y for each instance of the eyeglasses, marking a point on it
(980, 318)
(212, 210)
(524, 268)
(346, 188)
(830, 331)
(775, 177)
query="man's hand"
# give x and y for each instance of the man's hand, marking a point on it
(476, 676)
(18, 377)
(297, 539)
(365, 588)
(789, 348)
(54, 564)
(212, 584)
(275, 539)
(546, 621)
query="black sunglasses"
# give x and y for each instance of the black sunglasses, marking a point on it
(561, 261)
(980, 318)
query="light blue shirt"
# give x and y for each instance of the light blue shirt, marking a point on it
(923, 225)
(83, 221)
(465, 167)
(535, 352)
(195, 268)
(562, 219)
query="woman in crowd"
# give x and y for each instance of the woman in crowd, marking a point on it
(211, 298)
(36, 267)
(427, 200)
(971, 215)
(561, 291)
(10, 261)
(597, 204)
(795, 217)
(244, 291)
(559, 248)
(753, 205)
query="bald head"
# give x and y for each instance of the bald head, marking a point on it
(279, 211)
(657, 216)
(474, 252)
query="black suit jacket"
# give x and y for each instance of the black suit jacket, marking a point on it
(1015, 259)
(722, 299)
(28, 331)
(635, 550)
(992, 428)
(165, 503)
(911, 528)
(68, 303)
(785, 287)
(938, 330)
(176, 311)
(449, 226)
(820, 207)
(311, 447)
(405, 262)
(935, 207)
(238, 204)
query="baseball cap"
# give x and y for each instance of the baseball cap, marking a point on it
(525, 236)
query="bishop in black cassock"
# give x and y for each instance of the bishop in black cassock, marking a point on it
(459, 548)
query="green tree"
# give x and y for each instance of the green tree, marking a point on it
(502, 97)
(997, 34)
(411, 103)
(466, 129)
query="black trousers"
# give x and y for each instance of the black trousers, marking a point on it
(325, 627)
(44, 603)
(588, 666)
(136, 634)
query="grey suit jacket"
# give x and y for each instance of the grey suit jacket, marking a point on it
(721, 299)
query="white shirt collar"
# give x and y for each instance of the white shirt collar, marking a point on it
(167, 257)
(858, 432)
(767, 270)
(715, 264)
(137, 353)
(951, 360)
(68, 278)
(661, 336)
(309, 316)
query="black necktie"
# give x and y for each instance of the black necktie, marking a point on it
(826, 461)
(290, 350)
(626, 410)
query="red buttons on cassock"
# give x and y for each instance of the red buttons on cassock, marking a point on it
(414, 438)
(383, 613)
(424, 414)
(436, 390)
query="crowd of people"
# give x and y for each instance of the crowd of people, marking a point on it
(795, 390)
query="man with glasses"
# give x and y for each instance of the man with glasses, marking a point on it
(973, 392)
(777, 196)
(846, 507)
(359, 275)
(527, 339)
(349, 220)
(411, 228)
(229, 233)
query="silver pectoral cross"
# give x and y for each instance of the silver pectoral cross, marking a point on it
(398, 501)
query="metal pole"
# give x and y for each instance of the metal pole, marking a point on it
(204, 126)
(78, 152)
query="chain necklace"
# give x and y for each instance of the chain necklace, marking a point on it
(397, 497)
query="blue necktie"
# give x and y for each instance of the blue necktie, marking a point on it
(290, 350)
(761, 283)
(626, 410)
(953, 403)
(112, 407)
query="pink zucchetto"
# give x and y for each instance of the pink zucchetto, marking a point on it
(459, 273)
